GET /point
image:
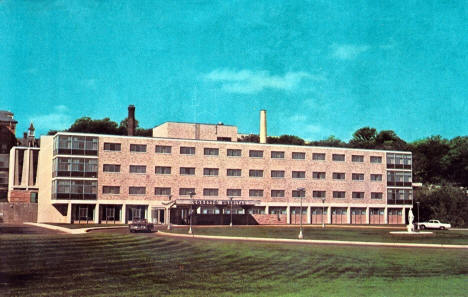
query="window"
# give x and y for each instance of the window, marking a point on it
(255, 173)
(357, 158)
(358, 195)
(277, 193)
(256, 193)
(111, 168)
(233, 172)
(376, 177)
(137, 169)
(298, 174)
(138, 148)
(210, 171)
(318, 175)
(298, 194)
(187, 150)
(400, 196)
(400, 161)
(234, 152)
(339, 194)
(399, 178)
(277, 173)
(74, 167)
(161, 191)
(298, 156)
(108, 146)
(162, 170)
(255, 154)
(318, 156)
(137, 190)
(163, 149)
(186, 191)
(210, 151)
(358, 176)
(75, 145)
(233, 192)
(277, 155)
(338, 157)
(376, 195)
(210, 192)
(339, 175)
(110, 189)
(74, 189)
(187, 170)
(375, 159)
(318, 194)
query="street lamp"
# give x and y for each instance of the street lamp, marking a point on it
(417, 203)
(300, 190)
(323, 210)
(230, 198)
(191, 211)
(168, 215)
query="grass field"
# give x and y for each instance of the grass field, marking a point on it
(335, 233)
(129, 265)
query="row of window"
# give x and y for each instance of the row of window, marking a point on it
(190, 150)
(75, 145)
(214, 192)
(74, 189)
(75, 167)
(238, 172)
(399, 161)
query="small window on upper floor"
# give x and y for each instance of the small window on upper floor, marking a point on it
(277, 155)
(318, 156)
(138, 148)
(376, 159)
(234, 152)
(108, 146)
(163, 149)
(187, 150)
(357, 158)
(338, 157)
(211, 151)
(255, 154)
(298, 156)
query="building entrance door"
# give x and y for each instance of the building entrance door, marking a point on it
(158, 215)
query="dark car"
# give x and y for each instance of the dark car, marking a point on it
(140, 225)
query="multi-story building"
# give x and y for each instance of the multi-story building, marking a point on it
(114, 179)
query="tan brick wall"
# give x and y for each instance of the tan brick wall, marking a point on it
(19, 196)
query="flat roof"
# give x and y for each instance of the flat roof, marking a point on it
(191, 123)
(223, 142)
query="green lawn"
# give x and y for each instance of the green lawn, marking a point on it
(334, 233)
(147, 265)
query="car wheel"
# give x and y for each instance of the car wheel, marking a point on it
(442, 228)
(423, 227)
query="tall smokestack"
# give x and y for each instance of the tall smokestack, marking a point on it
(131, 120)
(263, 126)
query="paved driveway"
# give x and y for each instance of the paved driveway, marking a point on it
(25, 229)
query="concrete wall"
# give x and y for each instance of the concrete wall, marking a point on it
(18, 212)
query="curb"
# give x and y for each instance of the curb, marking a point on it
(313, 241)
(71, 231)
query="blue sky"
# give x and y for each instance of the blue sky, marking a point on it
(319, 68)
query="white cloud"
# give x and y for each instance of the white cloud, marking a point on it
(58, 119)
(347, 51)
(247, 81)
(304, 127)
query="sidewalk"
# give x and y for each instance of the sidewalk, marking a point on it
(302, 241)
(71, 231)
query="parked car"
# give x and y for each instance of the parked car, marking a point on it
(433, 224)
(140, 225)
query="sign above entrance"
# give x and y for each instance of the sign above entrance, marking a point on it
(217, 202)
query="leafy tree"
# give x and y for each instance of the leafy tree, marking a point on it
(446, 203)
(389, 140)
(331, 141)
(364, 138)
(249, 138)
(430, 159)
(457, 159)
(88, 125)
(286, 139)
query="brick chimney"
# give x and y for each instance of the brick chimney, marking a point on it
(131, 120)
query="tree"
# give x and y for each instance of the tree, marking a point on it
(286, 139)
(249, 138)
(364, 138)
(457, 161)
(331, 141)
(88, 125)
(445, 203)
(389, 140)
(430, 159)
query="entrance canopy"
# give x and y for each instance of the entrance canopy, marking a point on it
(216, 202)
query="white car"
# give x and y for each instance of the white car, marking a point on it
(434, 224)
